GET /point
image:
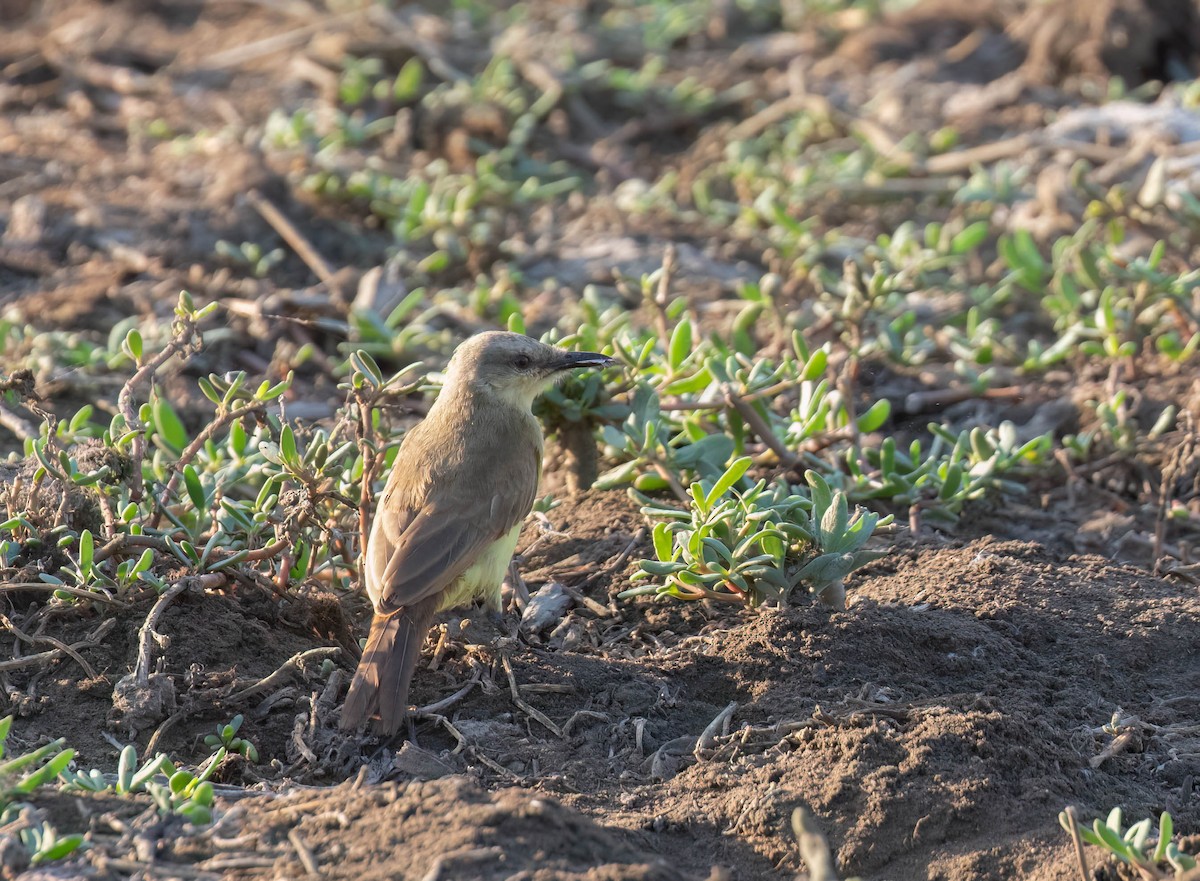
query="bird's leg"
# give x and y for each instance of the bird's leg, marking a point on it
(513, 591)
(488, 647)
(493, 613)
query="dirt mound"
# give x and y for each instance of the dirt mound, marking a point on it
(952, 711)
(959, 700)
(214, 645)
(448, 828)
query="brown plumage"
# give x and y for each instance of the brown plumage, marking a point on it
(448, 519)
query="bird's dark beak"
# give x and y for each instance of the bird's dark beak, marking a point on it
(573, 360)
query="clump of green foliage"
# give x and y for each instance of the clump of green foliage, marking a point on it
(757, 544)
(1151, 859)
(226, 738)
(174, 790)
(20, 777)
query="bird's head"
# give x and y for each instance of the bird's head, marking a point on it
(513, 366)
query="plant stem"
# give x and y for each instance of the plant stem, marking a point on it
(759, 426)
(183, 336)
(194, 447)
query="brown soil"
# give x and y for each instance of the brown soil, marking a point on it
(1137, 40)
(414, 829)
(935, 728)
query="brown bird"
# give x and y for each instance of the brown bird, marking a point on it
(448, 519)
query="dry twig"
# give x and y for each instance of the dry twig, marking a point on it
(51, 641)
(530, 710)
(303, 852)
(814, 849)
(435, 709)
(147, 635)
(92, 641)
(294, 663)
(1080, 856)
(77, 592)
(239, 55)
(299, 243)
(181, 341)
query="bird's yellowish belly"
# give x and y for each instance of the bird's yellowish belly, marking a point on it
(482, 581)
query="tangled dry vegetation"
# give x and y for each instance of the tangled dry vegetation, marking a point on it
(873, 557)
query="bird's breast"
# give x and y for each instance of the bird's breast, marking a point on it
(483, 579)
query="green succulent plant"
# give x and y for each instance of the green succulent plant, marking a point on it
(757, 543)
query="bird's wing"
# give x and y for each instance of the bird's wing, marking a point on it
(423, 546)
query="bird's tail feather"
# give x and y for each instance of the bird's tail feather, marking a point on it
(383, 676)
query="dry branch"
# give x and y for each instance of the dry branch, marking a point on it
(295, 662)
(299, 243)
(530, 710)
(92, 641)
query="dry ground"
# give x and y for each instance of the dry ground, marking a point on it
(936, 727)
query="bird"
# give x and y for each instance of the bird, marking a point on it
(447, 523)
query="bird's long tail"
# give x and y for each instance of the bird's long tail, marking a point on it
(381, 681)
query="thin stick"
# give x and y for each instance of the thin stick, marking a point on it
(753, 126)
(178, 343)
(532, 711)
(918, 402)
(121, 543)
(759, 426)
(1080, 855)
(962, 160)
(400, 28)
(148, 870)
(141, 669)
(478, 755)
(598, 609)
(277, 678)
(299, 243)
(619, 560)
(51, 641)
(438, 707)
(240, 55)
(55, 654)
(163, 727)
(266, 552)
(672, 481)
(662, 296)
(303, 852)
(22, 428)
(31, 660)
(242, 862)
(127, 542)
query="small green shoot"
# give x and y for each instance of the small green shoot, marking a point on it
(226, 738)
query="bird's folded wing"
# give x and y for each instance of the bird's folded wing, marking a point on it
(442, 540)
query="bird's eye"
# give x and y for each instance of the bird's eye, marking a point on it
(521, 362)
